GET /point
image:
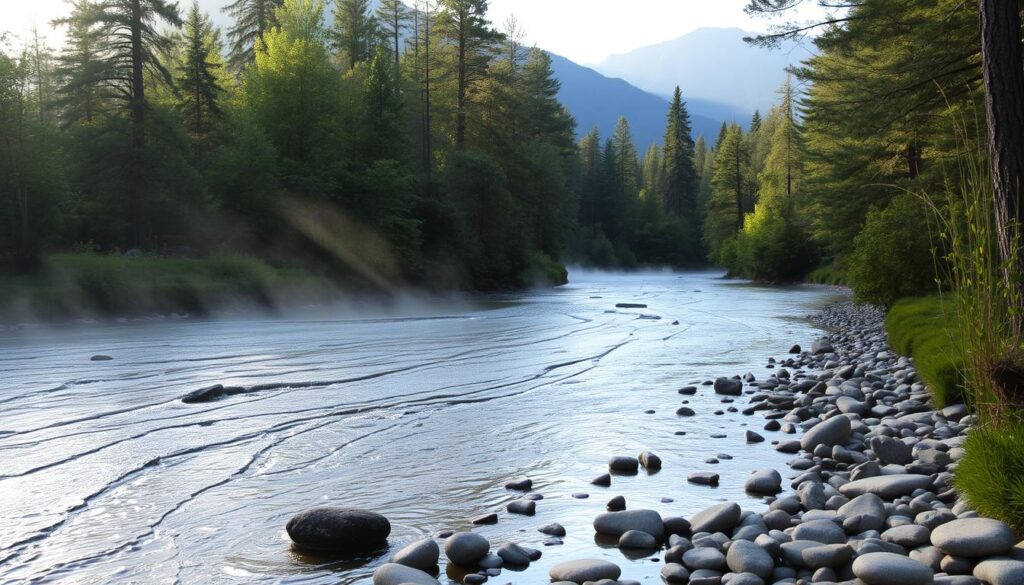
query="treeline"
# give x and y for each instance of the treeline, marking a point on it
(846, 171)
(397, 145)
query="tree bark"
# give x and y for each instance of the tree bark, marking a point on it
(135, 172)
(1004, 112)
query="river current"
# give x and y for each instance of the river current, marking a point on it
(421, 413)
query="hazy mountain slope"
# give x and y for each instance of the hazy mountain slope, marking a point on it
(709, 63)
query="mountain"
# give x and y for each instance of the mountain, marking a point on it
(596, 100)
(709, 64)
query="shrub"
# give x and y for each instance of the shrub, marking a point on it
(926, 329)
(828, 274)
(991, 474)
(892, 256)
(775, 249)
(545, 271)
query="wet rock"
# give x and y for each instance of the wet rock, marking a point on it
(100, 358)
(795, 349)
(553, 529)
(336, 529)
(1000, 571)
(703, 478)
(522, 507)
(747, 557)
(616, 504)
(210, 394)
(705, 558)
(765, 481)
(649, 460)
(466, 548)
(675, 573)
(618, 523)
(685, 411)
(522, 485)
(891, 451)
(395, 574)
(883, 568)
(823, 531)
(603, 480)
(485, 519)
(753, 437)
(821, 346)
(636, 539)
(827, 555)
(583, 570)
(728, 386)
(623, 464)
(422, 555)
(513, 554)
(688, 390)
(630, 306)
(974, 537)
(719, 518)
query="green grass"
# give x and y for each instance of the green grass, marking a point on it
(828, 274)
(90, 285)
(991, 474)
(925, 328)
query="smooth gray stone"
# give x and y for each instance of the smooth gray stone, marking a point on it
(881, 568)
(675, 573)
(869, 508)
(765, 481)
(908, 535)
(703, 478)
(823, 531)
(826, 555)
(745, 579)
(974, 537)
(649, 460)
(1000, 571)
(466, 548)
(395, 574)
(728, 386)
(747, 557)
(928, 555)
(719, 518)
(831, 432)
(522, 507)
(618, 523)
(582, 570)
(513, 554)
(792, 552)
(821, 347)
(891, 451)
(553, 529)
(887, 487)
(623, 464)
(422, 555)
(705, 558)
(636, 539)
(491, 561)
(331, 528)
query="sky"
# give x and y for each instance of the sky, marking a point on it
(585, 31)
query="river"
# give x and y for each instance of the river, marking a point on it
(422, 413)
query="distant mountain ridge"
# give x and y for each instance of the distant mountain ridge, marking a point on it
(709, 63)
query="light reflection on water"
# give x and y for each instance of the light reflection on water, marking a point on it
(106, 476)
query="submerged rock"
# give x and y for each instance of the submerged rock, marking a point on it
(395, 574)
(583, 570)
(422, 555)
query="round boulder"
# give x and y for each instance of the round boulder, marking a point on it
(619, 523)
(422, 555)
(466, 548)
(335, 529)
(974, 537)
(882, 568)
(395, 574)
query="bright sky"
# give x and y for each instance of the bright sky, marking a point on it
(585, 31)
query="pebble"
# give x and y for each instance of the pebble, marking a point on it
(395, 574)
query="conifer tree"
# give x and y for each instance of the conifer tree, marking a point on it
(680, 189)
(729, 186)
(197, 82)
(627, 170)
(755, 121)
(393, 20)
(81, 70)
(253, 18)
(355, 32)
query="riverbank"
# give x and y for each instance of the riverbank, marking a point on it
(870, 497)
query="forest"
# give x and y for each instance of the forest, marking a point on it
(402, 145)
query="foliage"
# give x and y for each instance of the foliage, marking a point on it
(990, 476)
(892, 256)
(926, 329)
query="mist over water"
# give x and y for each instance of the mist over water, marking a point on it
(422, 415)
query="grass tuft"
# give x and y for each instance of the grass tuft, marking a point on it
(926, 329)
(991, 474)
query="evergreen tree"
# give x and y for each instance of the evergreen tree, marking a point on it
(729, 186)
(591, 179)
(471, 45)
(355, 32)
(393, 20)
(197, 80)
(721, 135)
(755, 122)
(627, 170)
(82, 72)
(652, 170)
(680, 189)
(253, 18)
(384, 109)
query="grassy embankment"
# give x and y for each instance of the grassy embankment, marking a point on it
(88, 285)
(925, 328)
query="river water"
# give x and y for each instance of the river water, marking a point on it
(422, 413)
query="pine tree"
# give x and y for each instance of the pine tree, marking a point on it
(81, 71)
(729, 187)
(755, 122)
(355, 32)
(652, 171)
(471, 42)
(591, 180)
(393, 20)
(131, 45)
(721, 135)
(199, 89)
(253, 18)
(700, 155)
(680, 189)
(384, 109)
(627, 169)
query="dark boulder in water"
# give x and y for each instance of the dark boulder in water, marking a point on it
(211, 394)
(100, 358)
(340, 530)
(630, 306)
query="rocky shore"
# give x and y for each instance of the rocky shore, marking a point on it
(868, 498)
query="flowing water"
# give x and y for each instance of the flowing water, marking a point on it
(421, 414)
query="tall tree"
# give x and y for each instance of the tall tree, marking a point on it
(197, 82)
(464, 26)
(680, 189)
(627, 164)
(81, 70)
(729, 186)
(1004, 112)
(253, 18)
(132, 46)
(355, 32)
(393, 20)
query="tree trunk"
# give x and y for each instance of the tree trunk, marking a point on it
(135, 173)
(1004, 112)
